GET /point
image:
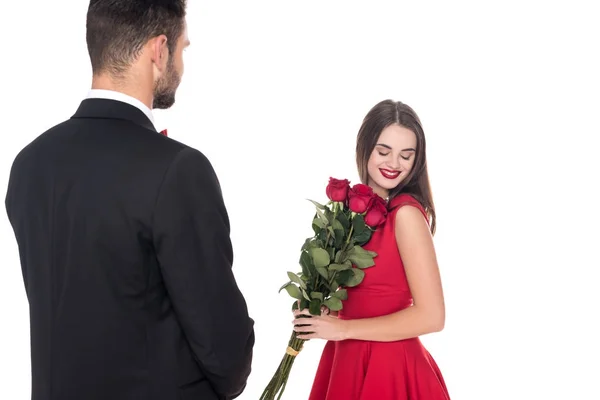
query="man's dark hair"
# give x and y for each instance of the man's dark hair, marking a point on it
(118, 29)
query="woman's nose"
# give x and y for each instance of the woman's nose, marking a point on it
(394, 164)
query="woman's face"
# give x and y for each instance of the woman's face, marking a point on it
(392, 159)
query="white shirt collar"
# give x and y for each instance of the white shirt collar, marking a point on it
(118, 96)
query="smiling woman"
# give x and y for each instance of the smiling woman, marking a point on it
(401, 296)
(391, 154)
(392, 159)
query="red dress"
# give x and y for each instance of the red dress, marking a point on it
(368, 370)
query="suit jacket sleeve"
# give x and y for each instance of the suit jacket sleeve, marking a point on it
(191, 234)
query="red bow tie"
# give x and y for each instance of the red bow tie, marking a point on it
(164, 132)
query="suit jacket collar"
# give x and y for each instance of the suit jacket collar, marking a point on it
(113, 109)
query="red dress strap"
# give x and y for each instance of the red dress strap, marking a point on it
(404, 199)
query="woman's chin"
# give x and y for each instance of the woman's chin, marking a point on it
(387, 184)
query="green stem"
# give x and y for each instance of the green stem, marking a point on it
(281, 384)
(350, 234)
(282, 389)
(333, 277)
(279, 380)
(335, 211)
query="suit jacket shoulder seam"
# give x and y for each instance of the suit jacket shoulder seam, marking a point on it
(176, 158)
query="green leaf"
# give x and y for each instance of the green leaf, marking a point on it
(340, 267)
(333, 303)
(337, 225)
(295, 306)
(323, 272)
(330, 230)
(339, 233)
(360, 257)
(322, 236)
(283, 286)
(350, 277)
(340, 257)
(341, 294)
(358, 222)
(318, 222)
(339, 238)
(318, 205)
(363, 237)
(357, 277)
(304, 304)
(334, 286)
(321, 215)
(331, 252)
(296, 278)
(310, 243)
(315, 307)
(360, 250)
(320, 257)
(328, 214)
(344, 276)
(305, 295)
(316, 295)
(344, 221)
(307, 243)
(307, 264)
(294, 291)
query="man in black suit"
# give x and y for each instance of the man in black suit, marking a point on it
(123, 234)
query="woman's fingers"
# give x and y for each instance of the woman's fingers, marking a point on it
(302, 312)
(307, 336)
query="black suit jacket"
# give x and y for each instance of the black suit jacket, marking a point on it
(126, 258)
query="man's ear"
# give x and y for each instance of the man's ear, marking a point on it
(159, 52)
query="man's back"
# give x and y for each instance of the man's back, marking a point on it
(124, 244)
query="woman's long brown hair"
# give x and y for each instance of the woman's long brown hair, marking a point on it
(382, 115)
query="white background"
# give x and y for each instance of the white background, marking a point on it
(274, 93)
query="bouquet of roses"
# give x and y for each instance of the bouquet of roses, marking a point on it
(331, 260)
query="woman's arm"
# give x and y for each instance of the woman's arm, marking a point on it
(426, 315)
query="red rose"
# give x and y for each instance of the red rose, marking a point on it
(359, 197)
(337, 190)
(376, 212)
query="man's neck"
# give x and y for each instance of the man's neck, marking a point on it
(122, 97)
(132, 89)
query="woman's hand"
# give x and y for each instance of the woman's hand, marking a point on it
(327, 311)
(322, 326)
(324, 310)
